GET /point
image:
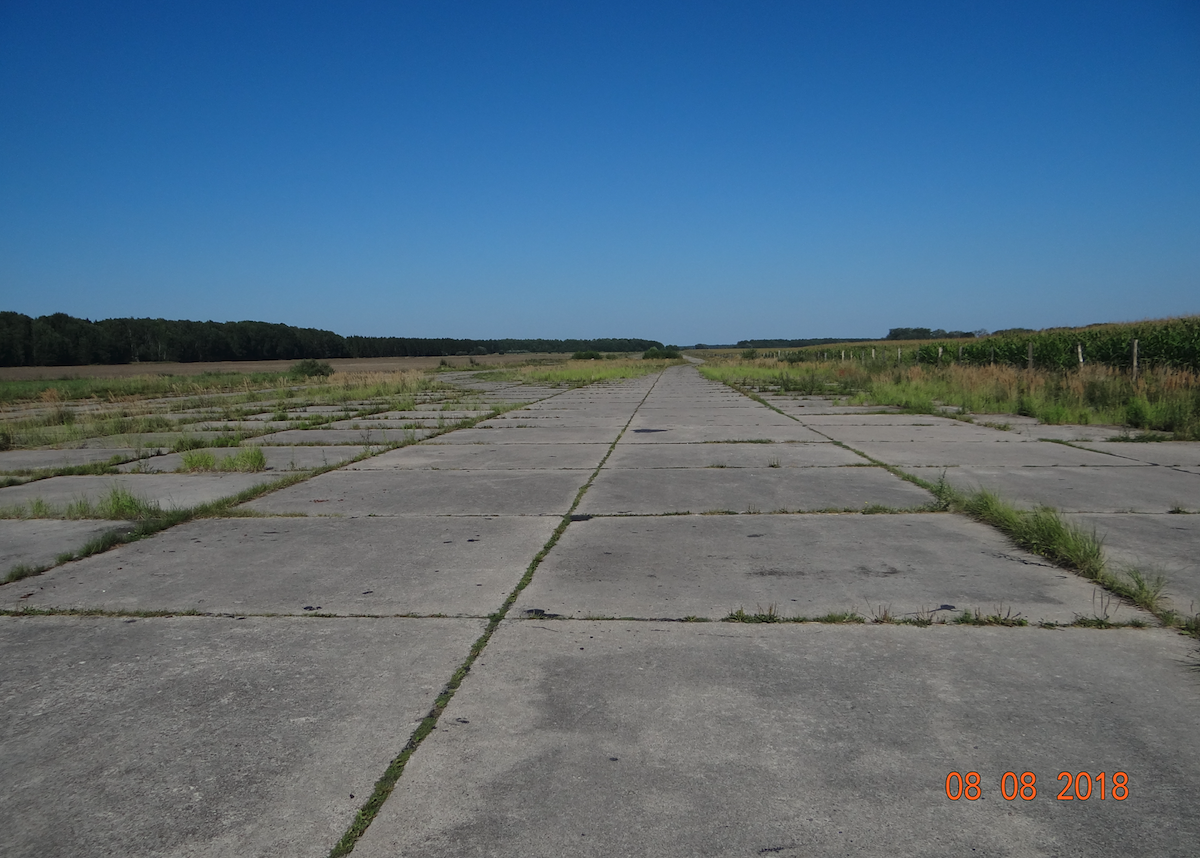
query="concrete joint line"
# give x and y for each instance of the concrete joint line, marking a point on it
(391, 776)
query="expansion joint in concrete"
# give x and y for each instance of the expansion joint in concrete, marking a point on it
(387, 782)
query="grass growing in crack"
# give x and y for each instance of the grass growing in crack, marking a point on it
(22, 570)
(1043, 531)
(245, 460)
(978, 618)
(118, 503)
(772, 615)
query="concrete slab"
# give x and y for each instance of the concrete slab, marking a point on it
(18, 461)
(206, 736)
(38, 541)
(360, 423)
(438, 413)
(944, 431)
(563, 435)
(278, 458)
(394, 492)
(1170, 453)
(335, 437)
(932, 565)
(870, 418)
(688, 414)
(610, 738)
(1156, 544)
(985, 454)
(454, 565)
(1129, 489)
(700, 434)
(241, 427)
(1073, 433)
(143, 441)
(632, 492)
(170, 491)
(797, 455)
(504, 457)
(557, 420)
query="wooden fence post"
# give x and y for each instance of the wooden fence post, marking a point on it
(1029, 362)
(1135, 365)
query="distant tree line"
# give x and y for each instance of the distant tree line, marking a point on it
(798, 344)
(930, 334)
(62, 340)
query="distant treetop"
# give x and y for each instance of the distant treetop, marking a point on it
(927, 334)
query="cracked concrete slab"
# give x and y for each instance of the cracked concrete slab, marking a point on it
(916, 565)
(1156, 544)
(1169, 453)
(414, 492)
(611, 738)
(13, 461)
(332, 437)
(170, 491)
(1146, 488)
(931, 432)
(456, 565)
(699, 434)
(790, 455)
(533, 435)
(38, 541)
(278, 458)
(206, 736)
(925, 454)
(488, 457)
(649, 492)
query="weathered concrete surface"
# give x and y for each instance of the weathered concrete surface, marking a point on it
(37, 542)
(1167, 545)
(933, 431)
(797, 455)
(487, 457)
(457, 565)
(167, 490)
(13, 461)
(700, 434)
(649, 492)
(1170, 453)
(744, 418)
(532, 435)
(988, 454)
(413, 492)
(610, 738)
(278, 458)
(1125, 489)
(558, 419)
(143, 441)
(206, 736)
(360, 437)
(1073, 433)
(920, 565)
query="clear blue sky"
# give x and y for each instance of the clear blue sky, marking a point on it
(688, 171)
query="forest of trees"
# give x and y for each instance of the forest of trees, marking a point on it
(798, 344)
(62, 340)
(930, 334)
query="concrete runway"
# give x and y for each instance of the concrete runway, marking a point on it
(237, 686)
